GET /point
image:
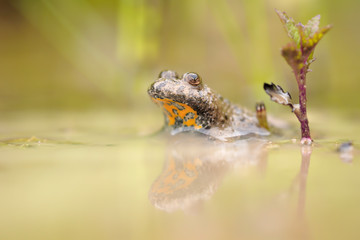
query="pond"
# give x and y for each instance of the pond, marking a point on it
(103, 175)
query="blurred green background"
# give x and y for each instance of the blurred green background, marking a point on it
(73, 81)
(92, 54)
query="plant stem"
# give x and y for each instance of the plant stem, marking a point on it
(300, 113)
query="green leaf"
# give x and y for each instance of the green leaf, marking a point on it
(309, 43)
(290, 26)
(312, 26)
(320, 33)
(293, 56)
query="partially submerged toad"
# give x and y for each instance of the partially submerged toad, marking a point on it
(190, 105)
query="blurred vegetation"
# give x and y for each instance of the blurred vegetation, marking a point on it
(89, 54)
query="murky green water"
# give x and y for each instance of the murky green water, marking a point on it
(94, 176)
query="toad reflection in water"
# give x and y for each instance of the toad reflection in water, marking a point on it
(195, 166)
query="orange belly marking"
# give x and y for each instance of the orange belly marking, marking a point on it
(172, 111)
(175, 178)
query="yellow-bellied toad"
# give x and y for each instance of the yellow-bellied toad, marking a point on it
(190, 105)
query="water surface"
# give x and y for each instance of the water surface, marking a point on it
(101, 176)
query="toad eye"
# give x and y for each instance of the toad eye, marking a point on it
(168, 74)
(192, 78)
